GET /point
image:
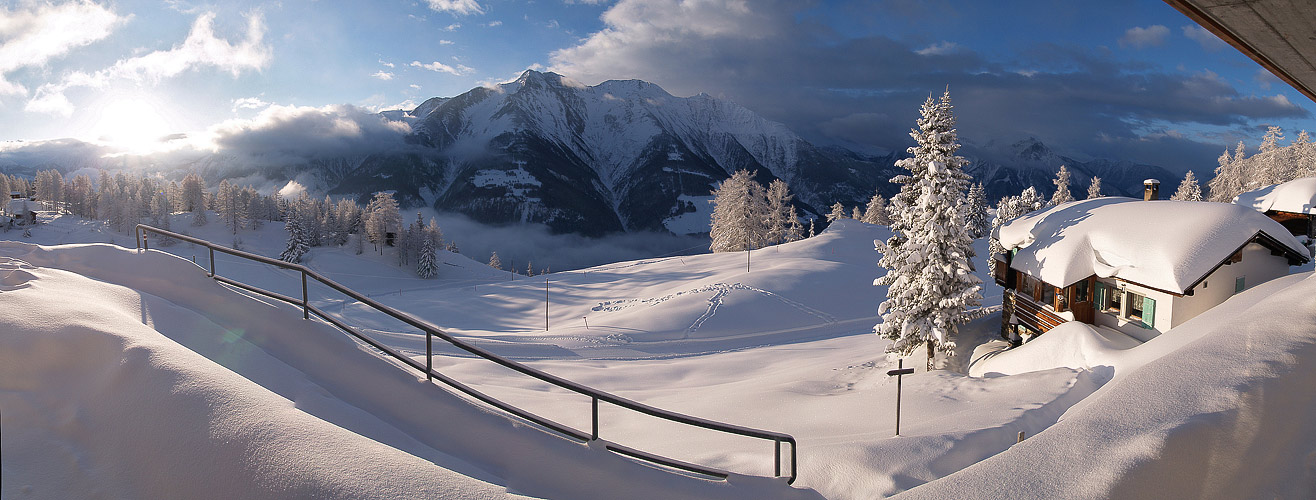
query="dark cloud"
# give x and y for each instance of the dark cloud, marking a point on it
(866, 91)
(283, 133)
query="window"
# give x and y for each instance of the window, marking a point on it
(1048, 294)
(1238, 285)
(1108, 298)
(1026, 286)
(1081, 291)
(1135, 306)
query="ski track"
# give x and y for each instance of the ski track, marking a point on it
(721, 290)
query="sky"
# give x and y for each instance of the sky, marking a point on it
(1125, 79)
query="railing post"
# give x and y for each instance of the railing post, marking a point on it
(212, 261)
(776, 457)
(792, 479)
(429, 356)
(306, 309)
(146, 246)
(594, 434)
(137, 237)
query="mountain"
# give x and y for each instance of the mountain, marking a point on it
(618, 156)
(1008, 170)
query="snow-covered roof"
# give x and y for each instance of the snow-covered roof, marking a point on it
(1168, 245)
(1298, 196)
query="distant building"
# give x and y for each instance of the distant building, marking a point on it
(1140, 267)
(1291, 204)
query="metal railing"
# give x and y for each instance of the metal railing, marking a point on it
(432, 331)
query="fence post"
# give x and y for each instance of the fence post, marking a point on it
(146, 246)
(594, 434)
(429, 356)
(776, 457)
(212, 261)
(306, 309)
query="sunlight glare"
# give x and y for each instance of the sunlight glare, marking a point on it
(133, 124)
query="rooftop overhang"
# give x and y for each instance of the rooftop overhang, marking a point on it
(1278, 34)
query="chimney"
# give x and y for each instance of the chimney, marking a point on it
(1151, 190)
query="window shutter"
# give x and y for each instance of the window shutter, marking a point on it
(1148, 312)
(1238, 284)
(1100, 297)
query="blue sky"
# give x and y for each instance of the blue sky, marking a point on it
(1125, 79)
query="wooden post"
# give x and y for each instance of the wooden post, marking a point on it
(899, 372)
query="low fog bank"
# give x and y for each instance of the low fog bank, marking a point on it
(518, 244)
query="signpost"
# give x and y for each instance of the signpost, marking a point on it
(897, 373)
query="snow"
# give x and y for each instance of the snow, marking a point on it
(694, 222)
(1167, 245)
(116, 365)
(1297, 196)
(517, 181)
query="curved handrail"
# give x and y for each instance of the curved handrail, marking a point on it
(433, 331)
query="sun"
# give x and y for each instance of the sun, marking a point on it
(131, 123)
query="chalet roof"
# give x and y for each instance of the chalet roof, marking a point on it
(1167, 245)
(1298, 196)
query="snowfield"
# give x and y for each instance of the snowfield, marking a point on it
(128, 374)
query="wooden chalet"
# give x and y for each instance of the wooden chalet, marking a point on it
(1140, 267)
(1292, 204)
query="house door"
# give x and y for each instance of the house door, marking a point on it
(1081, 301)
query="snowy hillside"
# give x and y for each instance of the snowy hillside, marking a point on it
(784, 345)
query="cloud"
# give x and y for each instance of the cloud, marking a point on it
(938, 49)
(494, 23)
(445, 42)
(385, 64)
(249, 103)
(383, 75)
(452, 27)
(201, 49)
(414, 86)
(1139, 37)
(1204, 37)
(443, 68)
(33, 34)
(773, 61)
(281, 134)
(460, 7)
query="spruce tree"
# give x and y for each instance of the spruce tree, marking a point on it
(976, 212)
(837, 213)
(1030, 200)
(1094, 188)
(929, 280)
(427, 264)
(779, 210)
(495, 262)
(1188, 189)
(794, 231)
(1062, 194)
(297, 246)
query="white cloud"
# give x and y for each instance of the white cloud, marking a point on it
(281, 133)
(459, 70)
(414, 86)
(37, 33)
(383, 75)
(201, 49)
(494, 23)
(249, 103)
(452, 27)
(445, 42)
(386, 64)
(1204, 37)
(1139, 37)
(938, 49)
(462, 7)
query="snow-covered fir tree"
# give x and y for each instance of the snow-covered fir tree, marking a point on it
(1062, 194)
(975, 214)
(739, 208)
(794, 231)
(427, 265)
(297, 246)
(876, 213)
(383, 219)
(811, 232)
(1094, 188)
(931, 289)
(194, 196)
(837, 213)
(1188, 189)
(495, 262)
(1030, 200)
(857, 214)
(228, 206)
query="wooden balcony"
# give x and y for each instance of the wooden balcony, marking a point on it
(1034, 315)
